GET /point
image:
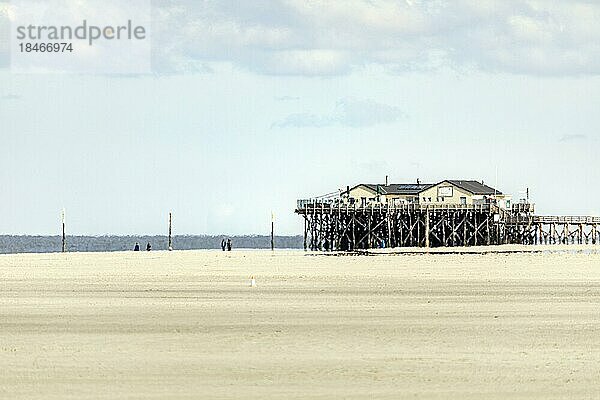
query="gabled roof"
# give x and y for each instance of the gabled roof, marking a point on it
(397, 188)
(474, 187)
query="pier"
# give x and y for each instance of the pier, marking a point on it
(335, 224)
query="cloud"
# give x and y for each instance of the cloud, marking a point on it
(306, 120)
(4, 35)
(323, 38)
(372, 166)
(331, 38)
(10, 97)
(573, 138)
(348, 112)
(287, 98)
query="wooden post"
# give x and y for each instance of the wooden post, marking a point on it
(64, 231)
(305, 230)
(338, 227)
(354, 228)
(170, 248)
(388, 242)
(410, 228)
(499, 236)
(427, 228)
(419, 242)
(487, 229)
(476, 227)
(321, 233)
(272, 231)
(400, 226)
(445, 217)
(369, 217)
(465, 242)
(453, 235)
(315, 227)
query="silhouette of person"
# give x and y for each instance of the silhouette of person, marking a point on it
(136, 247)
(228, 244)
(148, 247)
(223, 244)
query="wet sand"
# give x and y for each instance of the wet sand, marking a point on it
(188, 325)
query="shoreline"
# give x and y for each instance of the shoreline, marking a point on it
(473, 250)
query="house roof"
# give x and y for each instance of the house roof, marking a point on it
(474, 187)
(398, 188)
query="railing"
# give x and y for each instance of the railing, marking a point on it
(337, 204)
(509, 217)
(304, 203)
(549, 219)
(523, 208)
(566, 219)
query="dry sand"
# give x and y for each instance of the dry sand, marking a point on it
(188, 325)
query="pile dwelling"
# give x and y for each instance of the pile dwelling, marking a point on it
(449, 213)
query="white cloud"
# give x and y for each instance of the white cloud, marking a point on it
(306, 62)
(10, 97)
(573, 138)
(334, 37)
(4, 33)
(348, 112)
(323, 38)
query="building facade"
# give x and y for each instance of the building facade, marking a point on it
(451, 192)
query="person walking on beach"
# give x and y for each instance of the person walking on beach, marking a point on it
(148, 247)
(223, 244)
(136, 247)
(228, 244)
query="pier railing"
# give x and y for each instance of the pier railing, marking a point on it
(306, 205)
(549, 219)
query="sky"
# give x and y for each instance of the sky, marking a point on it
(252, 105)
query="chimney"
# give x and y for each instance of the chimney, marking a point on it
(418, 181)
(348, 190)
(386, 180)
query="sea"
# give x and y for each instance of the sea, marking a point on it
(50, 244)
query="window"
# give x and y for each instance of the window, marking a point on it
(463, 200)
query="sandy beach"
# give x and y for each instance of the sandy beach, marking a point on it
(188, 325)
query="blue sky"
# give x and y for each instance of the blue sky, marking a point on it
(254, 104)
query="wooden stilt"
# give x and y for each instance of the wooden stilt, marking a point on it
(427, 233)
(170, 242)
(64, 231)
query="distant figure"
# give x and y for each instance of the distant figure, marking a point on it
(136, 247)
(223, 244)
(228, 244)
(148, 247)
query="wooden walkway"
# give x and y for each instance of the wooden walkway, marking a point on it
(331, 225)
